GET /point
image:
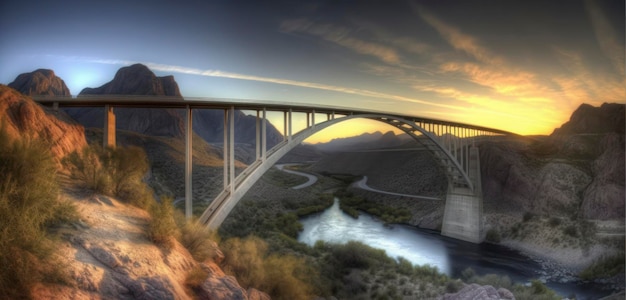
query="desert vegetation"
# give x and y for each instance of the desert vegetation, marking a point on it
(352, 204)
(115, 172)
(536, 289)
(29, 209)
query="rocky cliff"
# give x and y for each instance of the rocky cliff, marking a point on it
(40, 82)
(21, 116)
(136, 79)
(578, 170)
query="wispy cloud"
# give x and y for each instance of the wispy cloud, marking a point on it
(223, 74)
(456, 38)
(606, 36)
(341, 36)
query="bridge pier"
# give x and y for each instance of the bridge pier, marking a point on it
(463, 213)
(188, 162)
(109, 127)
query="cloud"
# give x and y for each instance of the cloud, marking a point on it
(457, 39)
(340, 36)
(606, 36)
(223, 74)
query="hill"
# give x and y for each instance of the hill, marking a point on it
(62, 241)
(22, 117)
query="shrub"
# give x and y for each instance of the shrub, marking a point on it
(571, 231)
(554, 222)
(196, 277)
(28, 206)
(86, 167)
(112, 171)
(604, 267)
(281, 276)
(528, 216)
(162, 227)
(493, 235)
(197, 238)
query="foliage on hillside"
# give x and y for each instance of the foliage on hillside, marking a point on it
(352, 204)
(112, 171)
(29, 207)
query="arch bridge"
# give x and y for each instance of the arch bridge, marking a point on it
(451, 143)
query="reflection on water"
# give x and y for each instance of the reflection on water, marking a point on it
(422, 247)
(336, 227)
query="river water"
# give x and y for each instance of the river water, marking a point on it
(421, 247)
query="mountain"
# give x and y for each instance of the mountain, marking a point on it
(140, 80)
(579, 169)
(40, 82)
(609, 117)
(21, 116)
(137, 79)
(365, 141)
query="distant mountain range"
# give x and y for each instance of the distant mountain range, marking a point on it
(365, 141)
(140, 80)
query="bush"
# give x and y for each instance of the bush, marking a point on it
(554, 222)
(604, 267)
(528, 216)
(281, 276)
(162, 228)
(29, 204)
(571, 231)
(197, 238)
(493, 235)
(112, 171)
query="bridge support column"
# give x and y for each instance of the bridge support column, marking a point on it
(109, 127)
(463, 214)
(229, 149)
(188, 162)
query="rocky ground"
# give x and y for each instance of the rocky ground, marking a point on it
(108, 255)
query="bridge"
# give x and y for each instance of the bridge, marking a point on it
(451, 143)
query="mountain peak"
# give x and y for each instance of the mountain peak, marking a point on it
(137, 79)
(40, 82)
(609, 117)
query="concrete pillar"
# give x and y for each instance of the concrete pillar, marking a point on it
(462, 218)
(188, 162)
(258, 135)
(226, 150)
(264, 136)
(231, 146)
(313, 118)
(290, 124)
(109, 127)
(285, 122)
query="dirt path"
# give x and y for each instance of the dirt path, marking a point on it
(311, 178)
(362, 184)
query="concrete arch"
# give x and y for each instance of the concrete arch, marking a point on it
(223, 204)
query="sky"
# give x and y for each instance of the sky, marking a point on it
(520, 66)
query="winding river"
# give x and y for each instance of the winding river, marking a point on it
(421, 247)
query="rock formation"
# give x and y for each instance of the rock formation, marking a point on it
(40, 82)
(21, 116)
(139, 80)
(136, 80)
(108, 255)
(581, 165)
(607, 118)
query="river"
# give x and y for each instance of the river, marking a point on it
(421, 247)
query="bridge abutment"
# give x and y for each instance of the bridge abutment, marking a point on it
(463, 214)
